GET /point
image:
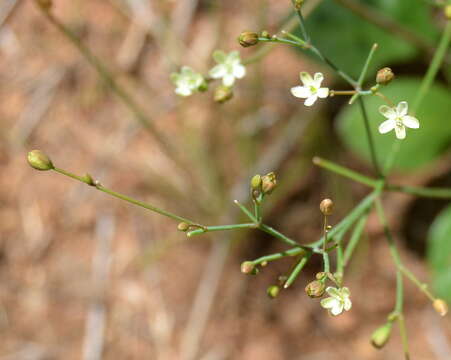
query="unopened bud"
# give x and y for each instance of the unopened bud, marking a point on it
(269, 183)
(88, 179)
(321, 275)
(203, 87)
(385, 76)
(298, 4)
(256, 182)
(248, 38)
(448, 12)
(265, 34)
(273, 291)
(45, 4)
(315, 289)
(183, 226)
(39, 161)
(223, 94)
(327, 207)
(247, 267)
(381, 336)
(440, 306)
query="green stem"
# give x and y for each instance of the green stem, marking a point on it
(272, 257)
(302, 24)
(434, 67)
(296, 271)
(439, 193)
(422, 286)
(205, 229)
(246, 211)
(125, 197)
(369, 136)
(355, 238)
(269, 230)
(366, 66)
(343, 171)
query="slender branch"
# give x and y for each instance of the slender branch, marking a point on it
(366, 66)
(296, 271)
(355, 238)
(205, 229)
(438, 193)
(272, 257)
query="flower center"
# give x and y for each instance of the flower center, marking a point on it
(313, 90)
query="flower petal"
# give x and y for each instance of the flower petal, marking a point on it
(388, 112)
(347, 304)
(334, 292)
(233, 56)
(402, 108)
(323, 93)
(328, 303)
(318, 79)
(311, 100)
(219, 56)
(337, 309)
(345, 292)
(302, 92)
(410, 122)
(228, 80)
(386, 126)
(306, 78)
(183, 91)
(400, 132)
(218, 71)
(239, 71)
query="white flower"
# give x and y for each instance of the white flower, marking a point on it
(338, 300)
(397, 119)
(312, 89)
(229, 67)
(187, 81)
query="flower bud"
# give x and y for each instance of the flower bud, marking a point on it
(327, 207)
(256, 182)
(273, 291)
(223, 94)
(315, 289)
(203, 87)
(381, 336)
(247, 267)
(248, 38)
(298, 4)
(440, 306)
(321, 275)
(39, 161)
(183, 226)
(385, 76)
(265, 34)
(269, 183)
(45, 4)
(448, 12)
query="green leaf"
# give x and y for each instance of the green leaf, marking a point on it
(421, 146)
(439, 254)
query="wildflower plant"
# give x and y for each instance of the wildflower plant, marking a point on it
(329, 285)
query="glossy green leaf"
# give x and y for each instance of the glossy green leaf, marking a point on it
(421, 145)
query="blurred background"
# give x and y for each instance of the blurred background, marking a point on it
(86, 276)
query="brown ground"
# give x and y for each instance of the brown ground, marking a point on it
(82, 273)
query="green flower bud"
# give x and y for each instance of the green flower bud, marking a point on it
(223, 94)
(381, 336)
(265, 34)
(45, 4)
(298, 4)
(247, 267)
(269, 183)
(203, 87)
(385, 76)
(327, 207)
(248, 38)
(440, 306)
(39, 161)
(256, 182)
(273, 291)
(183, 226)
(315, 289)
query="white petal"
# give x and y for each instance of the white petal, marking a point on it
(233, 56)
(347, 304)
(219, 56)
(337, 309)
(329, 303)
(183, 91)
(239, 71)
(302, 92)
(218, 71)
(388, 112)
(400, 132)
(386, 126)
(228, 80)
(311, 100)
(402, 108)
(410, 122)
(323, 93)
(345, 292)
(306, 78)
(334, 292)
(318, 79)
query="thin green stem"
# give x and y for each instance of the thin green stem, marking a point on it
(423, 287)
(438, 193)
(269, 230)
(142, 204)
(434, 67)
(366, 66)
(403, 333)
(369, 136)
(206, 229)
(343, 171)
(257, 210)
(278, 40)
(302, 23)
(246, 211)
(355, 238)
(296, 271)
(276, 256)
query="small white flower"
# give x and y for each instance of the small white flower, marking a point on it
(311, 90)
(338, 300)
(229, 67)
(397, 119)
(187, 81)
